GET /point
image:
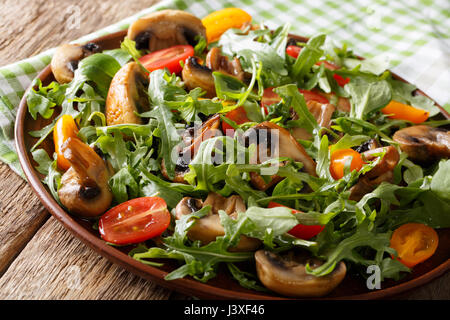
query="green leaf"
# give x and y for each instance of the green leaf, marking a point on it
(440, 183)
(367, 97)
(43, 160)
(308, 56)
(291, 96)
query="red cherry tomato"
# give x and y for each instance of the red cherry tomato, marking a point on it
(269, 97)
(167, 58)
(135, 221)
(341, 80)
(238, 115)
(300, 231)
(339, 158)
(293, 51)
(314, 95)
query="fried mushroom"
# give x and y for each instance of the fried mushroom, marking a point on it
(264, 135)
(127, 95)
(208, 228)
(195, 75)
(381, 172)
(163, 29)
(287, 275)
(84, 186)
(66, 58)
(192, 139)
(424, 144)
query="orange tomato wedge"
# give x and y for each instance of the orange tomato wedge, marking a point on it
(401, 111)
(414, 243)
(64, 128)
(217, 22)
(340, 157)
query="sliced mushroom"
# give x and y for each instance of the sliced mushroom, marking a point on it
(166, 28)
(218, 62)
(192, 139)
(423, 143)
(208, 228)
(66, 58)
(127, 95)
(84, 186)
(267, 133)
(287, 275)
(197, 75)
(321, 112)
(381, 172)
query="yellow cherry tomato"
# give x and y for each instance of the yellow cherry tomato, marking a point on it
(340, 157)
(65, 127)
(217, 22)
(414, 243)
(397, 110)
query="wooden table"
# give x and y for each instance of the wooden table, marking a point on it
(39, 259)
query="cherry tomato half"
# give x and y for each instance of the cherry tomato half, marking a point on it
(293, 51)
(340, 157)
(269, 97)
(300, 231)
(134, 221)
(167, 58)
(414, 243)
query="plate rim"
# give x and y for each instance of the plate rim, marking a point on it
(187, 286)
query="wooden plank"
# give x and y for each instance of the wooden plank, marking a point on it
(56, 265)
(21, 215)
(30, 27)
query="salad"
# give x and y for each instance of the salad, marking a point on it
(219, 142)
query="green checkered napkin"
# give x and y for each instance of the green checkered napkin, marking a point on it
(413, 34)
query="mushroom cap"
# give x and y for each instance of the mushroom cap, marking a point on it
(164, 29)
(66, 58)
(124, 96)
(287, 275)
(424, 143)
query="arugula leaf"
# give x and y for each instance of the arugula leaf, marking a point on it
(292, 97)
(43, 160)
(367, 97)
(376, 65)
(245, 279)
(123, 185)
(440, 183)
(404, 92)
(309, 55)
(257, 46)
(44, 99)
(347, 250)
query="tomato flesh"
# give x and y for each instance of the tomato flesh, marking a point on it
(414, 243)
(167, 58)
(293, 51)
(135, 221)
(340, 157)
(300, 231)
(239, 116)
(270, 97)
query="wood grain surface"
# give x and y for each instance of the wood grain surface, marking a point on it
(39, 259)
